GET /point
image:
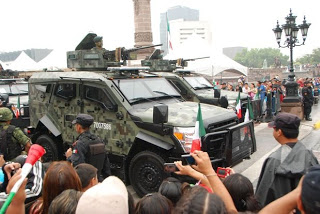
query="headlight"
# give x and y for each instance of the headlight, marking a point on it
(185, 136)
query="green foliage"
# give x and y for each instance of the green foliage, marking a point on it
(313, 58)
(254, 58)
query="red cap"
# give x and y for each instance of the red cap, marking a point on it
(36, 151)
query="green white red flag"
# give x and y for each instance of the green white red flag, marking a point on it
(199, 131)
(168, 34)
(17, 113)
(238, 107)
(249, 112)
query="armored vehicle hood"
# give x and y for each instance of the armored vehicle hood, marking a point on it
(185, 114)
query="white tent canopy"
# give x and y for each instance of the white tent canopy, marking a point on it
(23, 63)
(57, 59)
(2, 64)
(195, 47)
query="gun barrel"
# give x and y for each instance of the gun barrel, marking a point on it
(192, 59)
(141, 48)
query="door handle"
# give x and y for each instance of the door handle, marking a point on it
(90, 111)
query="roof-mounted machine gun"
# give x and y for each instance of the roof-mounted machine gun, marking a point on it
(88, 59)
(124, 54)
(157, 63)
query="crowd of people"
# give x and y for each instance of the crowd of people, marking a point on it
(274, 91)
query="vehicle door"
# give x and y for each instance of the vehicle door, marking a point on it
(64, 108)
(109, 123)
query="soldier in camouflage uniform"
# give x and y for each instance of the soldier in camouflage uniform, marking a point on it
(99, 43)
(12, 137)
(88, 148)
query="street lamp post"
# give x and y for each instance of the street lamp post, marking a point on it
(291, 32)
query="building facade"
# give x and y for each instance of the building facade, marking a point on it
(175, 13)
(181, 30)
(231, 52)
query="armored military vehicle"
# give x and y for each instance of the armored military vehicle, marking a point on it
(143, 121)
(194, 87)
(14, 95)
(191, 86)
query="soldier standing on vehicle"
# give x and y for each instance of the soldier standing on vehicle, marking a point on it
(88, 148)
(12, 139)
(99, 43)
(307, 100)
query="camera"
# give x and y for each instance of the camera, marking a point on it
(170, 167)
(223, 172)
(189, 159)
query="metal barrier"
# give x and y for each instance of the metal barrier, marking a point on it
(256, 107)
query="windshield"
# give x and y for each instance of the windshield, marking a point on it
(147, 88)
(14, 89)
(198, 82)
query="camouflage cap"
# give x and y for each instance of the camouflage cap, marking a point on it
(97, 39)
(5, 114)
(83, 119)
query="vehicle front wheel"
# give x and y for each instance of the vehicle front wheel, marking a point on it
(146, 172)
(49, 145)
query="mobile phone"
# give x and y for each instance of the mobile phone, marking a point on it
(170, 167)
(189, 159)
(223, 172)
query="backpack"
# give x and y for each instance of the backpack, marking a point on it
(8, 148)
(97, 153)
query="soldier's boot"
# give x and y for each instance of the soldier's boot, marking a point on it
(308, 118)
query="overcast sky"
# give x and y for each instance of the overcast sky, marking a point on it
(58, 24)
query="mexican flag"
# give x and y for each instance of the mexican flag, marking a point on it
(168, 34)
(238, 107)
(249, 112)
(17, 113)
(199, 132)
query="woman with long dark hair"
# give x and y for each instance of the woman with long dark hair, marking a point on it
(59, 177)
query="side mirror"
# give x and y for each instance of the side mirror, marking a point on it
(216, 93)
(24, 111)
(160, 114)
(224, 102)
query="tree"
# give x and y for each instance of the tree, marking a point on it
(313, 58)
(254, 57)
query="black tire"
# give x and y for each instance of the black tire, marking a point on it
(146, 172)
(49, 145)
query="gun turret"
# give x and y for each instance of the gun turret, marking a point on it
(124, 54)
(157, 63)
(88, 58)
(184, 62)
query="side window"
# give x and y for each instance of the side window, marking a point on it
(179, 87)
(99, 96)
(66, 91)
(43, 87)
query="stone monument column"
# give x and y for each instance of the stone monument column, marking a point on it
(142, 27)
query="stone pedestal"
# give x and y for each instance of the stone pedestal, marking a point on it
(142, 27)
(293, 108)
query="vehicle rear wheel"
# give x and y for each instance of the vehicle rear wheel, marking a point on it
(146, 172)
(49, 145)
